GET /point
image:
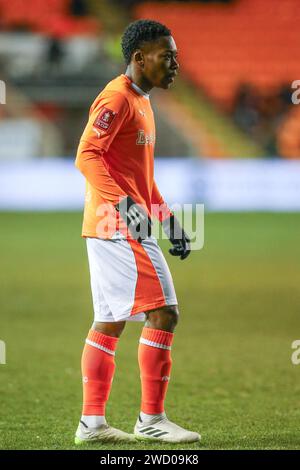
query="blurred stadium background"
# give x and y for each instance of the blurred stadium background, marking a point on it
(232, 100)
(227, 136)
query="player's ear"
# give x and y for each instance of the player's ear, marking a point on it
(138, 57)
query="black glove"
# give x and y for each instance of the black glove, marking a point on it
(178, 237)
(136, 218)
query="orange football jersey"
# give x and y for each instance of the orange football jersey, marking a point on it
(116, 155)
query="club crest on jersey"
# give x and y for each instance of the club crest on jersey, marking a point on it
(105, 119)
(144, 139)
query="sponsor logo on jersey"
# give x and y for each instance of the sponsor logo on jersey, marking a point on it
(144, 139)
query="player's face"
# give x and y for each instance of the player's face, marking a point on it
(160, 62)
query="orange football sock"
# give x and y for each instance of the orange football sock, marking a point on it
(155, 363)
(98, 367)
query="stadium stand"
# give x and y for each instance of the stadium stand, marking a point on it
(226, 46)
(288, 136)
(61, 18)
(54, 54)
(240, 42)
(238, 59)
(50, 55)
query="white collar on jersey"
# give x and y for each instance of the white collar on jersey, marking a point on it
(140, 91)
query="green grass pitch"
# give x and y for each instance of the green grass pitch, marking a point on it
(232, 378)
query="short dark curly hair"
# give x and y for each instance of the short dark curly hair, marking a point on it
(139, 32)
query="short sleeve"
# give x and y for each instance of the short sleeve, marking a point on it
(107, 116)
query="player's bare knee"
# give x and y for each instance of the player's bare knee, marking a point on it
(173, 315)
(114, 329)
(165, 318)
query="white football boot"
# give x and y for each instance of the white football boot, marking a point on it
(163, 430)
(103, 433)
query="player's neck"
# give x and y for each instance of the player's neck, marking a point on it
(139, 80)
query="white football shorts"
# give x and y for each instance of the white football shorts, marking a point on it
(128, 278)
